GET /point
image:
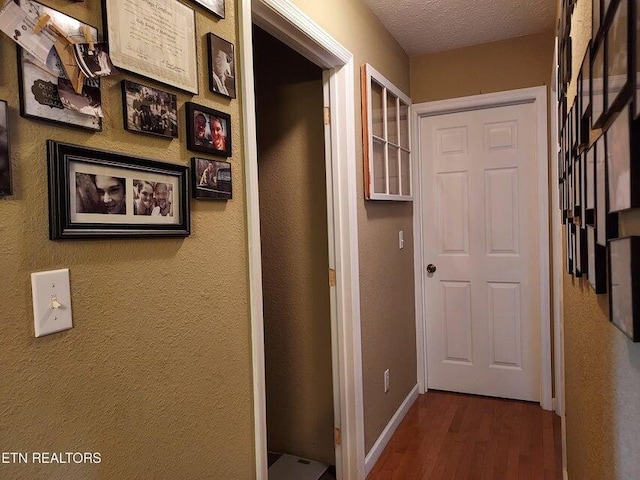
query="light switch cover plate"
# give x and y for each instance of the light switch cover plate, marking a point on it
(49, 290)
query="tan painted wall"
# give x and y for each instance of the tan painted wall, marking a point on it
(602, 367)
(493, 67)
(386, 273)
(156, 373)
(293, 228)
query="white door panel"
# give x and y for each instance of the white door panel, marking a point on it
(480, 217)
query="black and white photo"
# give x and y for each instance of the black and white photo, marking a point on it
(222, 72)
(149, 110)
(211, 179)
(89, 102)
(214, 6)
(617, 57)
(94, 193)
(622, 173)
(38, 82)
(152, 198)
(5, 158)
(94, 62)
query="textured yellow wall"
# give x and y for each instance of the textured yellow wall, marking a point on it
(602, 367)
(492, 67)
(156, 373)
(386, 273)
(293, 229)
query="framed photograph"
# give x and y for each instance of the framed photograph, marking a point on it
(624, 285)
(596, 18)
(606, 223)
(156, 40)
(584, 91)
(208, 130)
(149, 110)
(590, 186)
(5, 157)
(597, 85)
(617, 58)
(597, 262)
(97, 194)
(211, 179)
(623, 175)
(635, 59)
(214, 6)
(222, 70)
(39, 84)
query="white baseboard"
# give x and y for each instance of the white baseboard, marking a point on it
(565, 474)
(377, 449)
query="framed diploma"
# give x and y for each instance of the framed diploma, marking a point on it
(156, 40)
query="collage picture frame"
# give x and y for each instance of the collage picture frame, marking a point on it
(95, 194)
(41, 87)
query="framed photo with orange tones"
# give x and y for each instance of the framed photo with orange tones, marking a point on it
(208, 130)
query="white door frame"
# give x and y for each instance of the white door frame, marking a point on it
(537, 96)
(291, 26)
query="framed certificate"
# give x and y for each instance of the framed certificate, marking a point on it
(156, 40)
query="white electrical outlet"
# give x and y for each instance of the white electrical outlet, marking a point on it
(386, 380)
(51, 301)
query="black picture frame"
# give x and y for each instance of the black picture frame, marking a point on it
(6, 186)
(598, 84)
(38, 84)
(623, 174)
(597, 263)
(222, 66)
(211, 179)
(97, 194)
(624, 285)
(217, 7)
(635, 57)
(149, 110)
(606, 223)
(584, 93)
(590, 185)
(617, 58)
(596, 18)
(202, 125)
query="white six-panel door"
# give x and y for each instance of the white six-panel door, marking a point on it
(480, 219)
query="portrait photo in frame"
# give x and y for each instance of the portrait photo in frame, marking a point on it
(5, 156)
(38, 83)
(617, 58)
(156, 40)
(149, 110)
(211, 179)
(208, 130)
(222, 70)
(622, 172)
(96, 194)
(624, 285)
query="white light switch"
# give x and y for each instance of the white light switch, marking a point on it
(51, 301)
(401, 239)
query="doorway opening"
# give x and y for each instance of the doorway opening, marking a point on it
(295, 261)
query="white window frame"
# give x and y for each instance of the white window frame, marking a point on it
(369, 75)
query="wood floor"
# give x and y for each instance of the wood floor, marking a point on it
(456, 437)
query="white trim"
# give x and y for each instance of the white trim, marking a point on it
(387, 433)
(287, 23)
(538, 96)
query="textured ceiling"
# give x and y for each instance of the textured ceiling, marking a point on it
(426, 26)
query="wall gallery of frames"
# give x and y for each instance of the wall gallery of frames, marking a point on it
(60, 60)
(599, 155)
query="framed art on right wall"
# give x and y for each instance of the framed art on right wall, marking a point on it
(624, 285)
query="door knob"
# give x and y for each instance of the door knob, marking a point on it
(431, 268)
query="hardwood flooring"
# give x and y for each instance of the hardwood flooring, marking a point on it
(451, 436)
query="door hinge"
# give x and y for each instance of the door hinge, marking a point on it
(327, 115)
(337, 436)
(332, 277)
